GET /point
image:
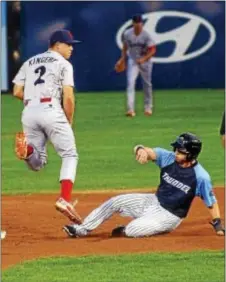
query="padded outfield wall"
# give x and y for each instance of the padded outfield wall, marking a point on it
(190, 38)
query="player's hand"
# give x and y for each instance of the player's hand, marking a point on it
(142, 156)
(120, 66)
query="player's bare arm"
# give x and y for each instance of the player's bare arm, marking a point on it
(151, 52)
(69, 102)
(216, 219)
(144, 154)
(18, 91)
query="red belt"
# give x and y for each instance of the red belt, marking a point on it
(44, 100)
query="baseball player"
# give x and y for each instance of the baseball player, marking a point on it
(140, 48)
(181, 179)
(222, 130)
(45, 84)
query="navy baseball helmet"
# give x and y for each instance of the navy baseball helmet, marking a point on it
(189, 144)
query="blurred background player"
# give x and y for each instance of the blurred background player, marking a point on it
(45, 83)
(140, 47)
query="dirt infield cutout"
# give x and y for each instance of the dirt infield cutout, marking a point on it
(34, 229)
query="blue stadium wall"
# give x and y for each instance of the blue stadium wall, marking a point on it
(190, 38)
(4, 48)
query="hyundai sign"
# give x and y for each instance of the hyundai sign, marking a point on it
(183, 36)
(189, 35)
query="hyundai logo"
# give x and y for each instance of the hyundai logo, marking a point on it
(183, 36)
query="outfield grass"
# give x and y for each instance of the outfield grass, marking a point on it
(105, 139)
(176, 267)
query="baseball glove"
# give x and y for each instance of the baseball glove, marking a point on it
(21, 146)
(120, 66)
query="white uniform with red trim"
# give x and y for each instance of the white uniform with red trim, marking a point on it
(43, 77)
(138, 46)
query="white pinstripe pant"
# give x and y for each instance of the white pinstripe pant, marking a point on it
(149, 217)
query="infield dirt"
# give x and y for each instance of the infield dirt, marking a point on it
(34, 229)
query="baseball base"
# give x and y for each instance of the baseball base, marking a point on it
(3, 235)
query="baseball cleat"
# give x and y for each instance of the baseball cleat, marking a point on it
(70, 230)
(148, 113)
(68, 210)
(130, 114)
(21, 146)
(118, 231)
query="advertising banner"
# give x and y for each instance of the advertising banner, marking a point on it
(189, 35)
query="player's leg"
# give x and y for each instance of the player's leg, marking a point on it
(31, 143)
(132, 74)
(63, 140)
(156, 220)
(132, 205)
(146, 74)
(36, 142)
(62, 137)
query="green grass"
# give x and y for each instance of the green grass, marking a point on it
(176, 267)
(105, 140)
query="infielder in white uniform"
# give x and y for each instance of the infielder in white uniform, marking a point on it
(140, 48)
(45, 83)
(181, 179)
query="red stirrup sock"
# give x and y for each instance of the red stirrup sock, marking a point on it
(66, 189)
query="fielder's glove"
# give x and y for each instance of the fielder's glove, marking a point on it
(120, 66)
(216, 223)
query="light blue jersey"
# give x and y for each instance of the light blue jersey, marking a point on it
(178, 185)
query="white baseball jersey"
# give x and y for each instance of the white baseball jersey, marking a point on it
(137, 44)
(138, 47)
(44, 75)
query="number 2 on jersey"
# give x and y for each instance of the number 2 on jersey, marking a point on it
(41, 71)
